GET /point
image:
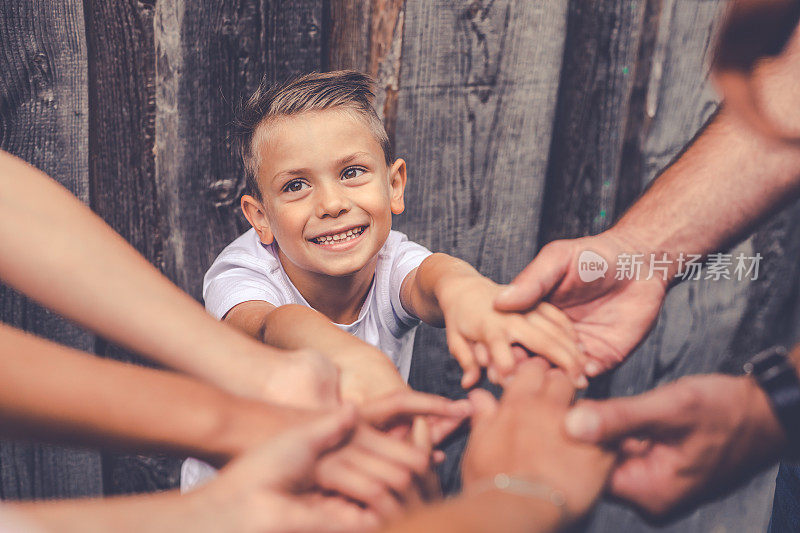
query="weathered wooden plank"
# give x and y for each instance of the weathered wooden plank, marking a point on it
(121, 58)
(293, 37)
(584, 169)
(43, 119)
(369, 37)
(475, 110)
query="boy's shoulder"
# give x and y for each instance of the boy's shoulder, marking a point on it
(398, 249)
(248, 247)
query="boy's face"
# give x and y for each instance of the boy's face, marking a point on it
(327, 194)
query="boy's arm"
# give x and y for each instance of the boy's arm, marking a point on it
(365, 371)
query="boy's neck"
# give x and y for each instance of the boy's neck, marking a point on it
(339, 298)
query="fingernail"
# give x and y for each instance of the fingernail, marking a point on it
(582, 423)
(593, 368)
(581, 382)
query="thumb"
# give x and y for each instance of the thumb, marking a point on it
(609, 421)
(537, 280)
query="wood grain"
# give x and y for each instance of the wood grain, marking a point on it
(43, 120)
(475, 111)
(603, 41)
(121, 59)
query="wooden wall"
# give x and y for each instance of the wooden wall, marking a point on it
(521, 122)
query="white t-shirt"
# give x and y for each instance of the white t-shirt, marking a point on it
(249, 270)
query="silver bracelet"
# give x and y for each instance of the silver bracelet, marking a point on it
(521, 487)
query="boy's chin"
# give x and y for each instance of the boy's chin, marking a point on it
(340, 267)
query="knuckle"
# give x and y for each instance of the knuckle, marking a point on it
(688, 399)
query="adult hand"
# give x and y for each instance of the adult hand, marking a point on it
(269, 489)
(610, 316)
(388, 472)
(523, 436)
(683, 439)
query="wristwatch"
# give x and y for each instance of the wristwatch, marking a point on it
(777, 377)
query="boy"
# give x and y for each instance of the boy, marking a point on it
(323, 186)
(322, 269)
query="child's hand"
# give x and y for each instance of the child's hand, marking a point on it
(479, 336)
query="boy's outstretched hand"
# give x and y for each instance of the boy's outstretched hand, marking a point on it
(480, 336)
(446, 289)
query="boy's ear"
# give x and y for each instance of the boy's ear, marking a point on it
(397, 185)
(254, 212)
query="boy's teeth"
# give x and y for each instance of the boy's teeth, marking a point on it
(341, 237)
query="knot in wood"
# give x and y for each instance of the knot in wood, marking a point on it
(223, 191)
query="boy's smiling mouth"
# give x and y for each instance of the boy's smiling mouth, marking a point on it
(339, 236)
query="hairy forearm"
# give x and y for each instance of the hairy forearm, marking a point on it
(61, 254)
(725, 183)
(478, 513)
(58, 394)
(425, 290)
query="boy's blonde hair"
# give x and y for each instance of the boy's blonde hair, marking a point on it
(346, 89)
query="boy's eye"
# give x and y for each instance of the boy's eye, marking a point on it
(295, 186)
(352, 172)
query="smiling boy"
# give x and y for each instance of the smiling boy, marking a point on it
(322, 268)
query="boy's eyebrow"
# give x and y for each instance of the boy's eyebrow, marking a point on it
(350, 158)
(338, 163)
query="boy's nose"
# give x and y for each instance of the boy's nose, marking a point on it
(332, 202)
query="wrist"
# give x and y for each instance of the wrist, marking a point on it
(511, 512)
(633, 239)
(454, 286)
(774, 398)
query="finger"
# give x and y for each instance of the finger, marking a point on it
(558, 317)
(557, 387)
(404, 404)
(638, 480)
(481, 354)
(438, 457)
(527, 381)
(340, 476)
(463, 354)
(611, 420)
(537, 280)
(520, 354)
(421, 435)
(541, 336)
(389, 474)
(441, 428)
(500, 352)
(635, 446)
(484, 404)
(402, 453)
